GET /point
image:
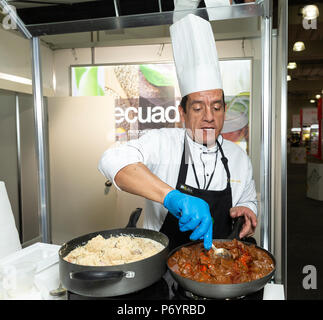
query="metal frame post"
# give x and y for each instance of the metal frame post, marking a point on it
(283, 20)
(18, 139)
(266, 152)
(116, 5)
(40, 142)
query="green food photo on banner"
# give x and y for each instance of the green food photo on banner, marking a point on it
(240, 104)
(87, 82)
(157, 75)
(78, 72)
(236, 123)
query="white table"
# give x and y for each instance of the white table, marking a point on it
(45, 258)
(47, 278)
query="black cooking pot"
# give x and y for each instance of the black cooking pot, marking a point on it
(223, 291)
(110, 281)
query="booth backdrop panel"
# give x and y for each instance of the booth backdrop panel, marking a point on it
(80, 130)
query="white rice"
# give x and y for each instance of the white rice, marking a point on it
(114, 251)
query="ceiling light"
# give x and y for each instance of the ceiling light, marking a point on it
(310, 12)
(312, 101)
(10, 77)
(299, 46)
(289, 78)
(318, 96)
(292, 65)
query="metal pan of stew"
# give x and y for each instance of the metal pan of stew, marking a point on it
(207, 275)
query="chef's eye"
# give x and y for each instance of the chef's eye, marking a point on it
(217, 107)
(197, 107)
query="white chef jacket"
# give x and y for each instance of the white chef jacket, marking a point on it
(160, 150)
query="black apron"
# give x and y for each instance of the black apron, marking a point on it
(220, 203)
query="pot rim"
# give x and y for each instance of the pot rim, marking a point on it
(224, 285)
(125, 231)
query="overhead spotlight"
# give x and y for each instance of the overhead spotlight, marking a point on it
(299, 46)
(289, 78)
(310, 12)
(292, 65)
(312, 101)
(318, 96)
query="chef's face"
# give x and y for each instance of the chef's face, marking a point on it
(204, 116)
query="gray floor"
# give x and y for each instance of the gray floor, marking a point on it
(304, 236)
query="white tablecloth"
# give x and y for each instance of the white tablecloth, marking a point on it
(46, 277)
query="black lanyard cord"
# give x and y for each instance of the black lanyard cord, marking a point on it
(194, 171)
(216, 160)
(195, 175)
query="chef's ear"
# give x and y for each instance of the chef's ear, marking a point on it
(182, 108)
(182, 113)
(183, 103)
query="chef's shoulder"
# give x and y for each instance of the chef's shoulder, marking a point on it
(154, 148)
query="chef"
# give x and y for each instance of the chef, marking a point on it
(195, 182)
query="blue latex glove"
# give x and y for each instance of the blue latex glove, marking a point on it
(193, 214)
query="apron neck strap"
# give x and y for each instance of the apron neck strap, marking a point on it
(185, 160)
(224, 161)
(183, 167)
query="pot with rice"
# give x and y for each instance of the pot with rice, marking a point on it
(113, 262)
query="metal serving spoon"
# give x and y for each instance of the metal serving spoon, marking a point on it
(221, 252)
(224, 253)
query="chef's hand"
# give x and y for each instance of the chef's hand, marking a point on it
(248, 228)
(193, 214)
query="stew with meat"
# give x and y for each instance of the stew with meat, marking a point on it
(248, 263)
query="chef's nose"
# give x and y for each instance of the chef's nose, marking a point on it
(208, 114)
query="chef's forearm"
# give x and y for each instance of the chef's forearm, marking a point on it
(139, 180)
